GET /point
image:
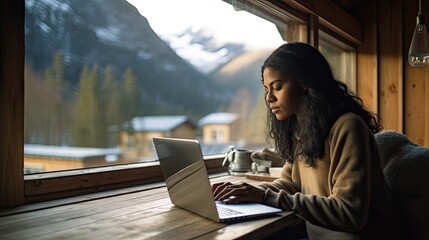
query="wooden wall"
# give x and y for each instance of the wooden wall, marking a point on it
(416, 81)
(386, 82)
(11, 103)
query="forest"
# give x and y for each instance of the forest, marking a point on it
(82, 85)
(89, 115)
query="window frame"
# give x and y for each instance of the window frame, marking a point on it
(60, 184)
(18, 189)
(332, 39)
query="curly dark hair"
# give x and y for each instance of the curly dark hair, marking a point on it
(325, 100)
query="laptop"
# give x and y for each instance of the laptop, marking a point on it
(189, 187)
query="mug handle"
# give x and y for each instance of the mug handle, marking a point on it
(226, 161)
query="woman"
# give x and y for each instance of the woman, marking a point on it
(332, 177)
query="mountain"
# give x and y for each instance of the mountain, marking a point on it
(101, 32)
(243, 72)
(202, 49)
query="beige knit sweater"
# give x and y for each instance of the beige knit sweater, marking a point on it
(344, 196)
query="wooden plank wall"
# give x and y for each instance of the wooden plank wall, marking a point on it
(390, 58)
(386, 82)
(367, 74)
(416, 80)
(11, 103)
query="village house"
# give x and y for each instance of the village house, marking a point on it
(136, 138)
(45, 158)
(219, 127)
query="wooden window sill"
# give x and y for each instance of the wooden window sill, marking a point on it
(56, 185)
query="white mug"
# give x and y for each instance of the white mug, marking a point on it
(238, 160)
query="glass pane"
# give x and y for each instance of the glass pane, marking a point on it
(105, 77)
(341, 57)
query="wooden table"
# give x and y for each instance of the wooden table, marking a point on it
(143, 212)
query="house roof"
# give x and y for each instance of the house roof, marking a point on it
(218, 118)
(158, 123)
(67, 151)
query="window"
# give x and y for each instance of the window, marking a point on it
(341, 57)
(40, 187)
(131, 142)
(110, 76)
(218, 135)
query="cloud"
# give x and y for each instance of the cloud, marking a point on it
(219, 17)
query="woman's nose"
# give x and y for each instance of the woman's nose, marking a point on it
(269, 97)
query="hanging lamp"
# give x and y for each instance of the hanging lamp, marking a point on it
(418, 55)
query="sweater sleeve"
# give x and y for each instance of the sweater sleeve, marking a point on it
(347, 206)
(285, 183)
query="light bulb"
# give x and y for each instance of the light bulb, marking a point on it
(418, 55)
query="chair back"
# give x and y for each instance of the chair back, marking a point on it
(406, 170)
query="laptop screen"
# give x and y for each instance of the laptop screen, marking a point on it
(185, 175)
(183, 153)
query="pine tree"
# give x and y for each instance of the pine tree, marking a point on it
(131, 100)
(98, 138)
(80, 128)
(88, 127)
(111, 106)
(39, 108)
(54, 76)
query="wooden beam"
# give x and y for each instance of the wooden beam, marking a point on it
(390, 59)
(296, 32)
(427, 110)
(12, 103)
(333, 17)
(313, 31)
(367, 85)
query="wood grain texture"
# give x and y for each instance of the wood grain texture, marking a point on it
(48, 186)
(341, 21)
(367, 87)
(313, 31)
(12, 103)
(144, 214)
(416, 103)
(390, 60)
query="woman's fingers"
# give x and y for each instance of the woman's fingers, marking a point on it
(239, 192)
(218, 187)
(232, 192)
(236, 194)
(243, 193)
(225, 191)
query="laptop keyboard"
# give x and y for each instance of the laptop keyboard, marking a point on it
(225, 211)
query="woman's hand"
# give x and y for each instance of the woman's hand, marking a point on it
(234, 193)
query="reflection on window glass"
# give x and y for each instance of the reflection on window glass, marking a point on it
(103, 77)
(341, 57)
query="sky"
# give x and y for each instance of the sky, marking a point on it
(173, 16)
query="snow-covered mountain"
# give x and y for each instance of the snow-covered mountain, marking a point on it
(112, 32)
(202, 49)
(169, 68)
